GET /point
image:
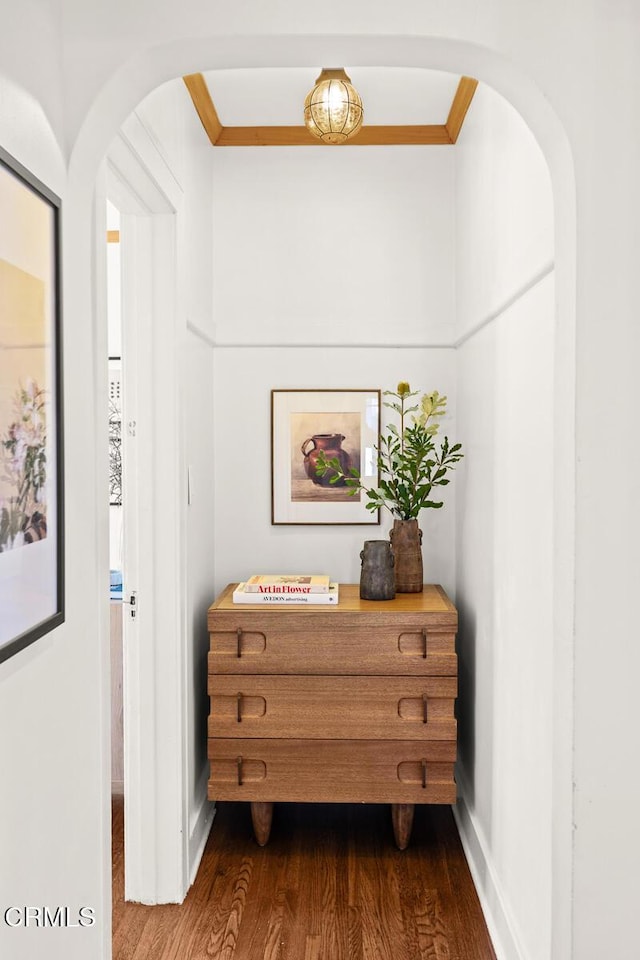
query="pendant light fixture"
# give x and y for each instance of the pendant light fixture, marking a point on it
(333, 109)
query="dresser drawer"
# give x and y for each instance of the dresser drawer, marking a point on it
(328, 771)
(254, 645)
(324, 708)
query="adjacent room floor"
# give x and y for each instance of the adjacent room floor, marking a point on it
(330, 885)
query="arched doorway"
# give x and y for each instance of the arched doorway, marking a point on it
(124, 91)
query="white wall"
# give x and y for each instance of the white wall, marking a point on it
(245, 541)
(321, 246)
(30, 46)
(202, 560)
(169, 118)
(505, 521)
(504, 222)
(176, 133)
(51, 787)
(319, 254)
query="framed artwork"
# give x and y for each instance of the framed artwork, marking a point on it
(31, 474)
(115, 432)
(343, 424)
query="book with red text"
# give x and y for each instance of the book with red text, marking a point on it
(271, 583)
(287, 595)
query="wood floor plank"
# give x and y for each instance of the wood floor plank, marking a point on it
(262, 893)
(236, 911)
(125, 939)
(157, 933)
(329, 885)
(273, 935)
(354, 917)
(425, 891)
(382, 934)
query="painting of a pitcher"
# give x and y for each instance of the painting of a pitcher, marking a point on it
(338, 424)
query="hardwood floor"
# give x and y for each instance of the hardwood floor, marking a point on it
(330, 885)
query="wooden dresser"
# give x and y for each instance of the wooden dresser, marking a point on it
(352, 703)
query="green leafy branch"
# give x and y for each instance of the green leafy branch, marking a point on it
(410, 463)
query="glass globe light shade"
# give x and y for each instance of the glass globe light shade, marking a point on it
(333, 109)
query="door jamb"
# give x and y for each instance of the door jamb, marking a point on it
(156, 827)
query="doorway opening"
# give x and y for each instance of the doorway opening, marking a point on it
(561, 667)
(116, 553)
(146, 560)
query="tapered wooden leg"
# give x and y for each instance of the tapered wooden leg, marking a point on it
(261, 816)
(402, 819)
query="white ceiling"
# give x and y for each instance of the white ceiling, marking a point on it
(275, 96)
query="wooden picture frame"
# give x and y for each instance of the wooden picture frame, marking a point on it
(31, 435)
(345, 423)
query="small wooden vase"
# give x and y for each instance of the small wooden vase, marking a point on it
(406, 539)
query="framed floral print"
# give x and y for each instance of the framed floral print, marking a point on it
(31, 477)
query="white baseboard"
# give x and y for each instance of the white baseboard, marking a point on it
(502, 927)
(200, 826)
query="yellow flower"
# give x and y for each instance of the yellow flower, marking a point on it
(433, 405)
(427, 404)
(403, 389)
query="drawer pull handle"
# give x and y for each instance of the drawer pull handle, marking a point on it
(424, 708)
(424, 774)
(239, 762)
(239, 707)
(239, 642)
(424, 644)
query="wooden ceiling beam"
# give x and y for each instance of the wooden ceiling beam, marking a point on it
(199, 92)
(389, 135)
(300, 136)
(460, 105)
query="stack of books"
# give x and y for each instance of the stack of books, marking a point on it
(287, 589)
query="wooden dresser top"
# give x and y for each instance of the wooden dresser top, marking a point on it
(432, 600)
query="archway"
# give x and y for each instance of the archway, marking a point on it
(136, 79)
